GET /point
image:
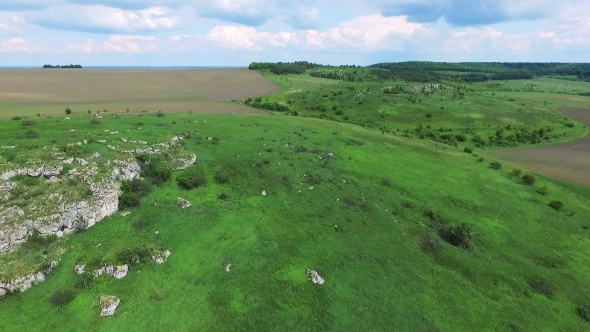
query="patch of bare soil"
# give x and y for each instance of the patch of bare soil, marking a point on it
(568, 162)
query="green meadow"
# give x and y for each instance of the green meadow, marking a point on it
(379, 186)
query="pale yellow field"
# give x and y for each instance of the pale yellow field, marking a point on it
(49, 91)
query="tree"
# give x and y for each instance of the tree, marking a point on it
(68, 111)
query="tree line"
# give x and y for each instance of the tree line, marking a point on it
(64, 66)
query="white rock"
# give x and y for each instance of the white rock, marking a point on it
(118, 272)
(66, 118)
(183, 203)
(263, 193)
(108, 305)
(228, 267)
(79, 269)
(314, 276)
(99, 272)
(125, 213)
(161, 256)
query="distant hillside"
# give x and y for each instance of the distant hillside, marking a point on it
(64, 66)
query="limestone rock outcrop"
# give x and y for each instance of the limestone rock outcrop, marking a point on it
(161, 256)
(108, 305)
(314, 277)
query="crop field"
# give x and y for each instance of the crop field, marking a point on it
(569, 161)
(393, 192)
(49, 92)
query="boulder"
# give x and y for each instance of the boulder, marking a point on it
(160, 256)
(314, 276)
(119, 272)
(108, 305)
(79, 269)
(183, 203)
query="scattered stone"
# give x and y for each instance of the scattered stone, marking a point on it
(263, 193)
(108, 305)
(228, 267)
(55, 197)
(314, 276)
(183, 203)
(125, 214)
(2, 292)
(102, 141)
(161, 256)
(66, 118)
(119, 272)
(330, 155)
(79, 269)
(99, 272)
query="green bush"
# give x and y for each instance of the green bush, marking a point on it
(468, 150)
(160, 114)
(28, 123)
(191, 178)
(68, 111)
(583, 312)
(480, 160)
(221, 176)
(516, 172)
(62, 298)
(429, 244)
(386, 182)
(543, 287)
(544, 190)
(153, 168)
(134, 256)
(528, 179)
(457, 235)
(131, 193)
(31, 134)
(94, 121)
(16, 118)
(495, 165)
(556, 205)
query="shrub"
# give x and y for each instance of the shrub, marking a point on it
(222, 196)
(131, 193)
(62, 297)
(457, 235)
(160, 114)
(140, 223)
(31, 134)
(516, 172)
(16, 118)
(221, 176)
(139, 124)
(133, 256)
(556, 205)
(350, 201)
(68, 111)
(153, 168)
(28, 123)
(544, 190)
(429, 243)
(94, 121)
(495, 165)
(528, 179)
(468, 150)
(84, 281)
(386, 182)
(480, 160)
(191, 178)
(583, 312)
(36, 240)
(544, 287)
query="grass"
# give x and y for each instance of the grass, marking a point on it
(410, 234)
(474, 115)
(375, 253)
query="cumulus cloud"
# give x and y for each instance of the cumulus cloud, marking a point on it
(486, 39)
(131, 4)
(467, 12)
(11, 23)
(373, 32)
(102, 19)
(117, 44)
(303, 19)
(17, 45)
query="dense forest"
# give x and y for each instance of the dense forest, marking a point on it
(64, 66)
(417, 71)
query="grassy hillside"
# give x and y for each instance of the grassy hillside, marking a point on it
(478, 115)
(410, 235)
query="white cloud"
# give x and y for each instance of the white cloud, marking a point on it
(17, 45)
(11, 23)
(366, 33)
(98, 18)
(117, 44)
(486, 39)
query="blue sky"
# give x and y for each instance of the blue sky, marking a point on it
(237, 32)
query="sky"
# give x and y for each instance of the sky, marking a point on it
(336, 32)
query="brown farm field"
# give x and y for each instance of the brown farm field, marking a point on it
(568, 162)
(27, 92)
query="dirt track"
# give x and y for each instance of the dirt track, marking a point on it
(568, 162)
(201, 90)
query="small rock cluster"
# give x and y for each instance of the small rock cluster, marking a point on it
(183, 203)
(108, 305)
(161, 256)
(314, 276)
